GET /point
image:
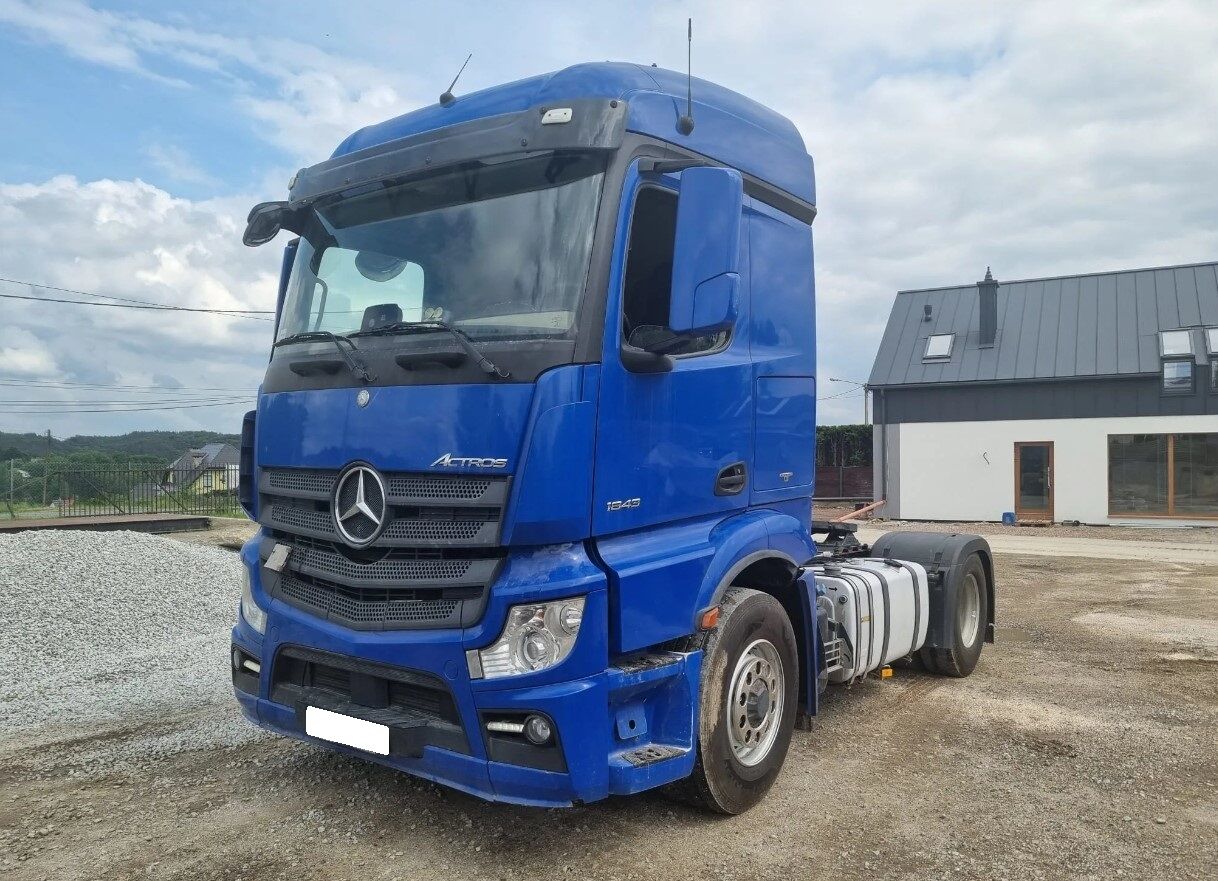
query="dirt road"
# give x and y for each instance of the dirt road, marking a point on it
(1122, 544)
(1084, 746)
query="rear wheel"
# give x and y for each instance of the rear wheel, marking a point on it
(748, 696)
(969, 619)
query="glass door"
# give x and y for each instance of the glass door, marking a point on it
(1034, 480)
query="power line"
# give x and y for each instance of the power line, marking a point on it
(853, 391)
(66, 383)
(231, 403)
(232, 313)
(195, 399)
(47, 287)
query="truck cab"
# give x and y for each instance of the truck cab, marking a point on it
(537, 426)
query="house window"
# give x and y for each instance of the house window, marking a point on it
(1178, 377)
(1163, 475)
(939, 346)
(1211, 340)
(208, 479)
(1137, 474)
(1175, 343)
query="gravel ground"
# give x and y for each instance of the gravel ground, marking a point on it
(1056, 530)
(229, 533)
(1082, 747)
(99, 628)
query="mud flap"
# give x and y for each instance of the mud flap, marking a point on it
(810, 654)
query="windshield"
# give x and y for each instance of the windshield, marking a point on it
(498, 251)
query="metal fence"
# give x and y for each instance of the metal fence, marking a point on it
(853, 482)
(45, 491)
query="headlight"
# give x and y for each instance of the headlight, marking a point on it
(250, 610)
(536, 636)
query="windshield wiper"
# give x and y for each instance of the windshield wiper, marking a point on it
(353, 362)
(462, 338)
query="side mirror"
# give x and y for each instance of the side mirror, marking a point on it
(264, 222)
(706, 258)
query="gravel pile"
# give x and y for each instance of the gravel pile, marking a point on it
(99, 629)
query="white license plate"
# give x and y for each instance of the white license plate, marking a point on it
(347, 730)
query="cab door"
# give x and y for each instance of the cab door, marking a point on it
(674, 441)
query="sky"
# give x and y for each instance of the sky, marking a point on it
(1038, 138)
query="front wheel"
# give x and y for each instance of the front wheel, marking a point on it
(747, 702)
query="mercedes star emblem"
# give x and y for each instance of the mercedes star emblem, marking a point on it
(363, 397)
(359, 505)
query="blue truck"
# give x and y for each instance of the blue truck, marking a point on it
(533, 456)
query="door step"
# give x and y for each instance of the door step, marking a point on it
(649, 661)
(652, 753)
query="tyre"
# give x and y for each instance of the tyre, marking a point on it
(969, 618)
(747, 700)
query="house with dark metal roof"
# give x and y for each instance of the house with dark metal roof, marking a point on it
(1086, 397)
(210, 468)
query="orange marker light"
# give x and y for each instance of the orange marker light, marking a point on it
(709, 619)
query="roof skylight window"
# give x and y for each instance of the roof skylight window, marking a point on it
(1175, 342)
(939, 346)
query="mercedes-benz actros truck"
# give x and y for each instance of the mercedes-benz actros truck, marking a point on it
(533, 456)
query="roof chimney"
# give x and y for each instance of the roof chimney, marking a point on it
(987, 295)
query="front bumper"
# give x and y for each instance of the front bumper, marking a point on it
(599, 714)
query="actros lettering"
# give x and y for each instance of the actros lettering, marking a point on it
(448, 460)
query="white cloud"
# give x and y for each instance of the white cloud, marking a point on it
(306, 99)
(178, 164)
(78, 29)
(1036, 137)
(23, 354)
(130, 239)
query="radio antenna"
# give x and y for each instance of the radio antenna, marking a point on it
(685, 124)
(448, 97)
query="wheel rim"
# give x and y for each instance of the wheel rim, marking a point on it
(968, 609)
(755, 699)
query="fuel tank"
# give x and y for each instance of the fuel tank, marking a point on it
(880, 612)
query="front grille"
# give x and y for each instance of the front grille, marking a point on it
(365, 606)
(430, 567)
(418, 486)
(297, 479)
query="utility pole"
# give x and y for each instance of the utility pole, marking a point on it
(46, 464)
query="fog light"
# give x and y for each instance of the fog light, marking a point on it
(505, 726)
(538, 730)
(236, 660)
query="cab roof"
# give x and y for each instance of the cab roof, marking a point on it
(729, 127)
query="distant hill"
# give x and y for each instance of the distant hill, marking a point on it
(163, 445)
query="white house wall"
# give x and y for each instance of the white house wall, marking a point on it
(966, 470)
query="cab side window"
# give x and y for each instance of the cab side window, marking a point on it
(647, 292)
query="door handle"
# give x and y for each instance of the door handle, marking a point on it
(731, 480)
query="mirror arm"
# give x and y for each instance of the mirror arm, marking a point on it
(641, 361)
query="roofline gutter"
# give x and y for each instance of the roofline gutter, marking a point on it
(958, 287)
(958, 383)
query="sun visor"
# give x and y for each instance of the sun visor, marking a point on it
(584, 124)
